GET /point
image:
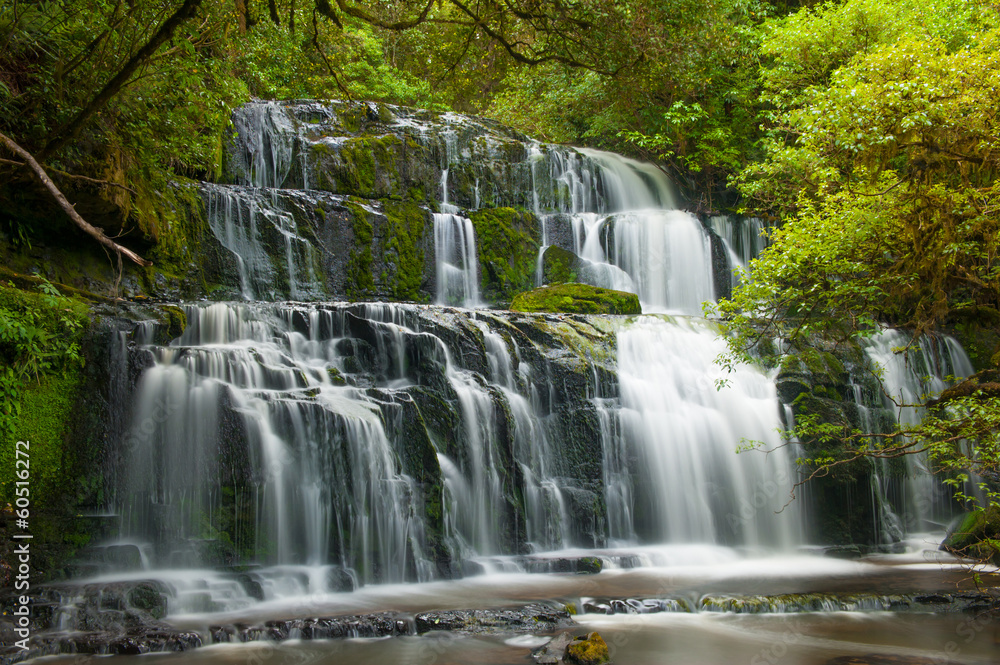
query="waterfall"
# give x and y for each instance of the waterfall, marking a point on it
(693, 487)
(244, 221)
(376, 442)
(668, 255)
(455, 253)
(908, 379)
(264, 155)
(744, 239)
(239, 426)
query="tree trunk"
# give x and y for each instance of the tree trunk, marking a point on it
(241, 15)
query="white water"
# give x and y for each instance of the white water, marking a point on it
(245, 426)
(325, 483)
(686, 431)
(909, 378)
(455, 254)
(745, 238)
(240, 218)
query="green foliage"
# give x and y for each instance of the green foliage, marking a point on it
(686, 96)
(326, 62)
(40, 363)
(883, 161)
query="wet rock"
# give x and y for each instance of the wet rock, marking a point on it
(589, 565)
(553, 652)
(587, 650)
(976, 535)
(526, 619)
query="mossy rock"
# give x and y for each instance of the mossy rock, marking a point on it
(976, 535)
(589, 565)
(559, 266)
(590, 649)
(507, 240)
(577, 299)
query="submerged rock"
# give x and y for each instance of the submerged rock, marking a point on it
(577, 299)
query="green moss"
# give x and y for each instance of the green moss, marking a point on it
(363, 160)
(508, 242)
(407, 226)
(559, 266)
(360, 281)
(46, 413)
(176, 320)
(577, 299)
(588, 650)
(981, 341)
(976, 528)
(180, 229)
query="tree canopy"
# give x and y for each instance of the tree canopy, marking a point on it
(881, 159)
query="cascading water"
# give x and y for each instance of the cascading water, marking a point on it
(287, 452)
(244, 220)
(744, 238)
(239, 426)
(692, 486)
(911, 374)
(296, 420)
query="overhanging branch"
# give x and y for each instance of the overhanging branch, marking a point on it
(89, 229)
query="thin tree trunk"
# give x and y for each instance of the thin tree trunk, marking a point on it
(241, 15)
(71, 129)
(272, 7)
(90, 230)
(291, 18)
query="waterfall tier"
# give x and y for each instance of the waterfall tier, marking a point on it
(403, 442)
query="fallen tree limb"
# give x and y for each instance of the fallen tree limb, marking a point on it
(89, 229)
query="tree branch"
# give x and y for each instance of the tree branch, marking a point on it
(324, 8)
(71, 129)
(90, 230)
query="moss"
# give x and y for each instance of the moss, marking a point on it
(981, 342)
(176, 320)
(359, 280)
(46, 413)
(577, 299)
(363, 160)
(559, 265)
(407, 226)
(178, 253)
(588, 650)
(507, 242)
(977, 527)
(589, 565)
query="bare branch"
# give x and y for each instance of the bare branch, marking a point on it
(90, 230)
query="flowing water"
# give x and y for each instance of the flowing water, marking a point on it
(302, 460)
(910, 374)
